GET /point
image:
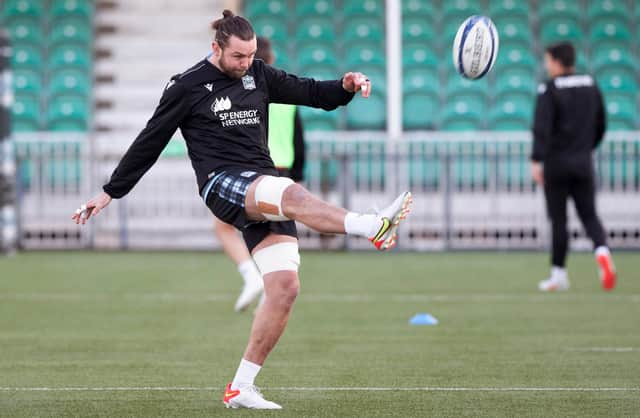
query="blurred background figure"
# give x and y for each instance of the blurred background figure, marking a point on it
(569, 124)
(286, 145)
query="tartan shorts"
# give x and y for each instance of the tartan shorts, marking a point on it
(225, 194)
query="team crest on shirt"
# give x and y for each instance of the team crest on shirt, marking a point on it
(248, 82)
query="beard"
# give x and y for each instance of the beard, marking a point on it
(233, 73)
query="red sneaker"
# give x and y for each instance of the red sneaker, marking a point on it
(607, 271)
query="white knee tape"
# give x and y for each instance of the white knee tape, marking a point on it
(269, 197)
(278, 257)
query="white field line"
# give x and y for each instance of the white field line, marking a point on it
(602, 349)
(323, 389)
(324, 297)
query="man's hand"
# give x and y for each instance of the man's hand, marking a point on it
(92, 207)
(354, 82)
(537, 172)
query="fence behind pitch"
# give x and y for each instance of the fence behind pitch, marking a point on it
(470, 191)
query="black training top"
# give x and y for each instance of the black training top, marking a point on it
(569, 119)
(223, 120)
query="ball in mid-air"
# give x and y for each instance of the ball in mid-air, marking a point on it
(475, 47)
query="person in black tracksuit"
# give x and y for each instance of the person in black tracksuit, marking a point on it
(221, 106)
(569, 124)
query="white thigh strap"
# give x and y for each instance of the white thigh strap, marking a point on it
(278, 257)
(269, 197)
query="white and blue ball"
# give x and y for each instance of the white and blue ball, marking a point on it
(475, 47)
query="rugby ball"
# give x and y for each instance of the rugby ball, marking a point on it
(475, 47)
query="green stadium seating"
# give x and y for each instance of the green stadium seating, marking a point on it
(318, 119)
(354, 8)
(281, 56)
(418, 80)
(364, 53)
(609, 30)
(27, 82)
(459, 87)
(560, 29)
(515, 55)
(26, 56)
(273, 28)
(418, 8)
(65, 8)
(315, 8)
(316, 55)
(26, 113)
(463, 114)
(419, 55)
(255, 9)
(613, 54)
(367, 114)
(321, 73)
(459, 10)
(599, 9)
(70, 82)
(515, 80)
(363, 29)
(512, 113)
(420, 111)
(509, 8)
(69, 56)
(415, 29)
(621, 111)
(513, 29)
(316, 29)
(376, 75)
(68, 113)
(25, 31)
(71, 30)
(21, 8)
(559, 9)
(617, 80)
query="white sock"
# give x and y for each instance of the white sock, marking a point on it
(249, 271)
(602, 250)
(364, 225)
(246, 374)
(558, 273)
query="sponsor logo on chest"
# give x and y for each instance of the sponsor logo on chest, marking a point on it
(221, 107)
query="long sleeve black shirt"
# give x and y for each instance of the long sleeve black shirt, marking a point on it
(223, 120)
(569, 119)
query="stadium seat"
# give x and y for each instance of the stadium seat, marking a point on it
(254, 9)
(559, 9)
(281, 56)
(420, 111)
(415, 29)
(459, 10)
(560, 29)
(67, 113)
(363, 29)
(509, 8)
(21, 8)
(459, 87)
(320, 73)
(315, 8)
(273, 28)
(26, 56)
(316, 55)
(418, 8)
(599, 9)
(364, 53)
(512, 113)
(25, 31)
(27, 82)
(367, 114)
(463, 114)
(354, 8)
(621, 111)
(69, 82)
(417, 80)
(65, 8)
(513, 29)
(515, 80)
(515, 55)
(71, 30)
(69, 56)
(617, 80)
(613, 54)
(314, 119)
(377, 76)
(316, 29)
(609, 30)
(26, 113)
(419, 55)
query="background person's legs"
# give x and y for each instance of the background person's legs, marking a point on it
(556, 192)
